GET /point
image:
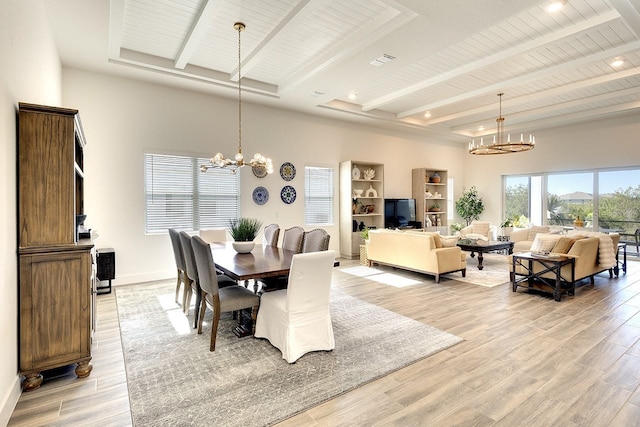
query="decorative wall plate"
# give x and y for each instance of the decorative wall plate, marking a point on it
(288, 194)
(258, 171)
(260, 195)
(287, 171)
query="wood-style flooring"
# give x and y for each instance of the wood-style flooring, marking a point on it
(526, 361)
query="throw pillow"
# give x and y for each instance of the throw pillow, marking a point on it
(436, 239)
(481, 227)
(544, 242)
(449, 241)
(563, 245)
(535, 230)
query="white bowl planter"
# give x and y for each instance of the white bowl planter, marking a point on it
(243, 247)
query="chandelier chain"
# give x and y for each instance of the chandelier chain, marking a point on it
(240, 28)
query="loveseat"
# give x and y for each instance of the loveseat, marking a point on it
(522, 238)
(593, 253)
(416, 251)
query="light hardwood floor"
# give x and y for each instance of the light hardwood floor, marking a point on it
(526, 360)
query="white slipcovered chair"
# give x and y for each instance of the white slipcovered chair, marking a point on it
(297, 320)
(482, 230)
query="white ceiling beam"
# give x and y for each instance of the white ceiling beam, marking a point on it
(538, 95)
(116, 27)
(526, 116)
(504, 55)
(549, 71)
(283, 31)
(199, 28)
(629, 12)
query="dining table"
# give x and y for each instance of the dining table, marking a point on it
(263, 261)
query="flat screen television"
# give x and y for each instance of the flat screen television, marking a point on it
(399, 213)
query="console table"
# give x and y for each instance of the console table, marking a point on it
(535, 266)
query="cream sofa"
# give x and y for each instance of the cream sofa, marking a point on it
(416, 251)
(593, 254)
(523, 238)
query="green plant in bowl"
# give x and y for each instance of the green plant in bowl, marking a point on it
(244, 229)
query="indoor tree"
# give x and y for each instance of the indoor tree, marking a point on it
(470, 205)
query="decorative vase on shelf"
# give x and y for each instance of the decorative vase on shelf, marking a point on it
(435, 178)
(355, 172)
(371, 192)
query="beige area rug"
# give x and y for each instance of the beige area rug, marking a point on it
(174, 380)
(494, 273)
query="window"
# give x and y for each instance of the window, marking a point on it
(318, 196)
(178, 195)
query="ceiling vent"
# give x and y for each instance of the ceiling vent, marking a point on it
(382, 60)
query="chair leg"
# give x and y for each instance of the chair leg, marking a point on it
(186, 299)
(178, 285)
(254, 315)
(196, 309)
(214, 329)
(203, 309)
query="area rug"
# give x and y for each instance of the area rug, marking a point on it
(174, 380)
(494, 273)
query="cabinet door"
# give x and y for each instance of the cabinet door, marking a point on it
(54, 309)
(46, 179)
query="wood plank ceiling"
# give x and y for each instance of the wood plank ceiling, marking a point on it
(450, 57)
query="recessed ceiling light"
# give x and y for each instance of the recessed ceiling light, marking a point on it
(555, 6)
(427, 115)
(481, 128)
(618, 62)
(352, 95)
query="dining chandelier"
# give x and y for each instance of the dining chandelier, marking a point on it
(258, 160)
(499, 145)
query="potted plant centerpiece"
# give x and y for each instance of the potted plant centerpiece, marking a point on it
(244, 231)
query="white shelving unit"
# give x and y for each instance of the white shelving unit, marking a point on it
(354, 185)
(429, 188)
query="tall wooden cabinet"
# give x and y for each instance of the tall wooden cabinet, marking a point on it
(361, 203)
(56, 274)
(429, 188)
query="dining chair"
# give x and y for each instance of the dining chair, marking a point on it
(211, 235)
(297, 320)
(292, 239)
(271, 234)
(192, 273)
(178, 254)
(315, 241)
(221, 300)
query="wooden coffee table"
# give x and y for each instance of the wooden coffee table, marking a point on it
(483, 246)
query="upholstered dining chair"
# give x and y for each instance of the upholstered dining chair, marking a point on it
(292, 239)
(297, 320)
(192, 273)
(271, 234)
(221, 300)
(178, 254)
(211, 235)
(315, 241)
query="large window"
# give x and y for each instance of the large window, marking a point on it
(607, 199)
(318, 196)
(178, 195)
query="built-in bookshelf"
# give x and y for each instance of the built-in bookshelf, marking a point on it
(429, 188)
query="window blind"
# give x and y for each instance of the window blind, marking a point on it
(318, 191)
(178, 195)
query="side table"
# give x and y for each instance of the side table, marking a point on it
(621, 264)
(536, 265)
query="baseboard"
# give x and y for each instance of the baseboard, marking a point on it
(10, 401)
(144, 277)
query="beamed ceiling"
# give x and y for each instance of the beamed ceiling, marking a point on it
(450, 57)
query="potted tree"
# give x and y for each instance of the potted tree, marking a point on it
(470, 205)
(243, 231)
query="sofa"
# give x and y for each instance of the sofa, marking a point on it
(593, 254)
(415, 250)
(522, 238)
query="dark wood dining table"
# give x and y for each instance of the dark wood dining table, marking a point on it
(262, 261)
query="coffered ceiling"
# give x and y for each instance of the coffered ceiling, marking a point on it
(384, 62)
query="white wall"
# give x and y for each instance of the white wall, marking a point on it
(602, 143)
(29, 72)
(123, 118)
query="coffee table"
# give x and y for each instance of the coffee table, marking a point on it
(483, 246)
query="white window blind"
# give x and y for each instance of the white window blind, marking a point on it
(318, 192)
(178, 195)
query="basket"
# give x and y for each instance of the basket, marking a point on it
(363, 255)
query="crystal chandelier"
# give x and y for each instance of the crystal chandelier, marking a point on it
(258, 160)
(499, 145)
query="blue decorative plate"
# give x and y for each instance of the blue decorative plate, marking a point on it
(287, 171)
(260, 195)
(288, 194)
(259, 171)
